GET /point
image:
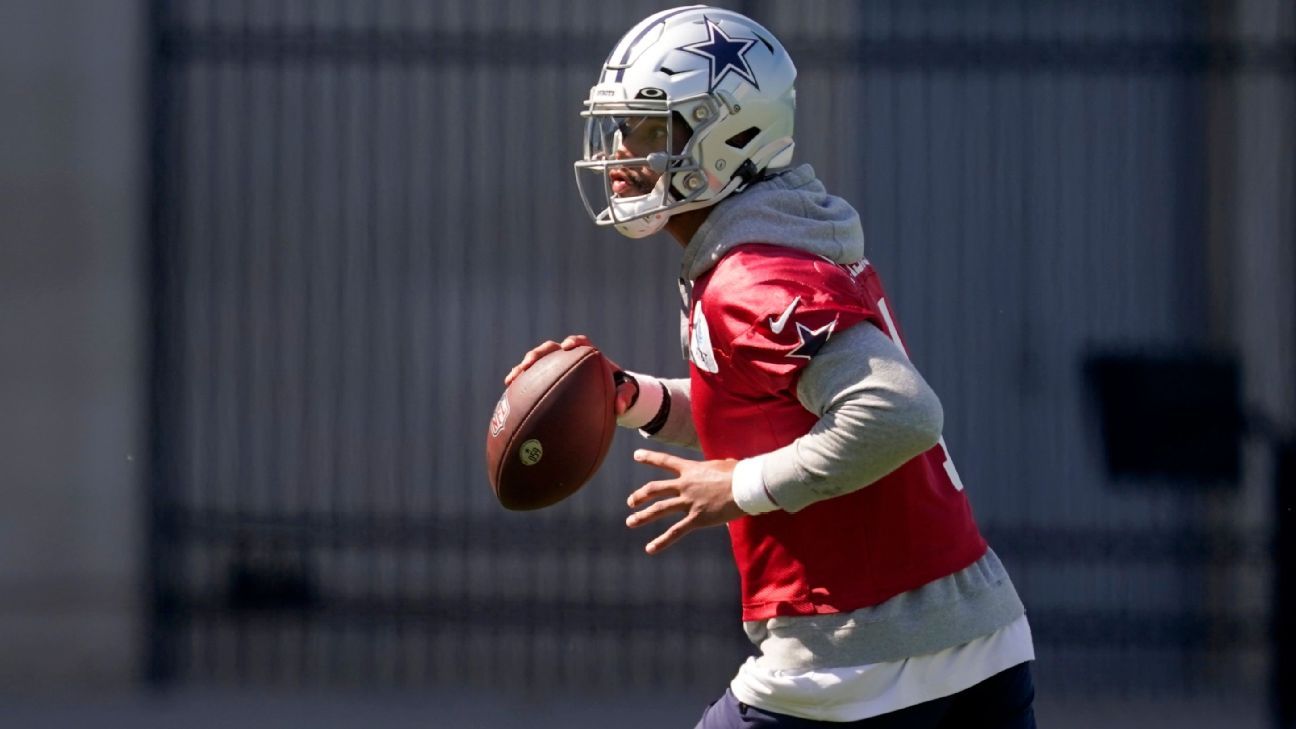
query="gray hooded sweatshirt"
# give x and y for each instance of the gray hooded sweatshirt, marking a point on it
(876, 412)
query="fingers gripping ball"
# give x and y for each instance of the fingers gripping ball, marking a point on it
(551, 429)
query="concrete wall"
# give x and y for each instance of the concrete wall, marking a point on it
(71, 347)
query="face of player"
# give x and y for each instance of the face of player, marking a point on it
(640, 137)
(648, 138)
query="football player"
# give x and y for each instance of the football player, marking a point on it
(866, 586)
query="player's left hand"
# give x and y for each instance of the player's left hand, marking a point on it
(701, 490)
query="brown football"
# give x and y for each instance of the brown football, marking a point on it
(551, 429)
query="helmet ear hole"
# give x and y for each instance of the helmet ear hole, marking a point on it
(743, 138)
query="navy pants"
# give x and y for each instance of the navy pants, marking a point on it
(1003, 701)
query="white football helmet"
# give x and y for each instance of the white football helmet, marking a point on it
(692, 104)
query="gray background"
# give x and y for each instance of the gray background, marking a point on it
(263, 266)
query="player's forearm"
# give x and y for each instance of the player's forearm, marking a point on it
(662, 411)
(876, 413)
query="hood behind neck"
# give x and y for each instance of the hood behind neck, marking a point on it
(791, 209)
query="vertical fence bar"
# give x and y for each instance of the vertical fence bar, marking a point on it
(1282, 689)
(159, 623)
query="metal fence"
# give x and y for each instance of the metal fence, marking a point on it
(363, 215)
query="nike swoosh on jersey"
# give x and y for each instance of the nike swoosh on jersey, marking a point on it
(776, 325)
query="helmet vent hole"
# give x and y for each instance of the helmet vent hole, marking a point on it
(668, 71)
(743, 138)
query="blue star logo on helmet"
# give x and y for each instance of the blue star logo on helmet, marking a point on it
(724, 53)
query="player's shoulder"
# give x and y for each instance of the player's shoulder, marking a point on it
(759, 261)
(759, 268)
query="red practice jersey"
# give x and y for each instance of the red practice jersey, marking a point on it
(749, 343)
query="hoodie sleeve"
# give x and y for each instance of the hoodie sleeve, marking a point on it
(662, 411)
(875, 413)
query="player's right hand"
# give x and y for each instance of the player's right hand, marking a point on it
(627, 391)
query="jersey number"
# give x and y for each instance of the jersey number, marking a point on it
(950, 470)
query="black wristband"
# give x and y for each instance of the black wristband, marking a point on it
(620, 377)
(663, 412)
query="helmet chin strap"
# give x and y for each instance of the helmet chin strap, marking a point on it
(643, 227)
(639, 222)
